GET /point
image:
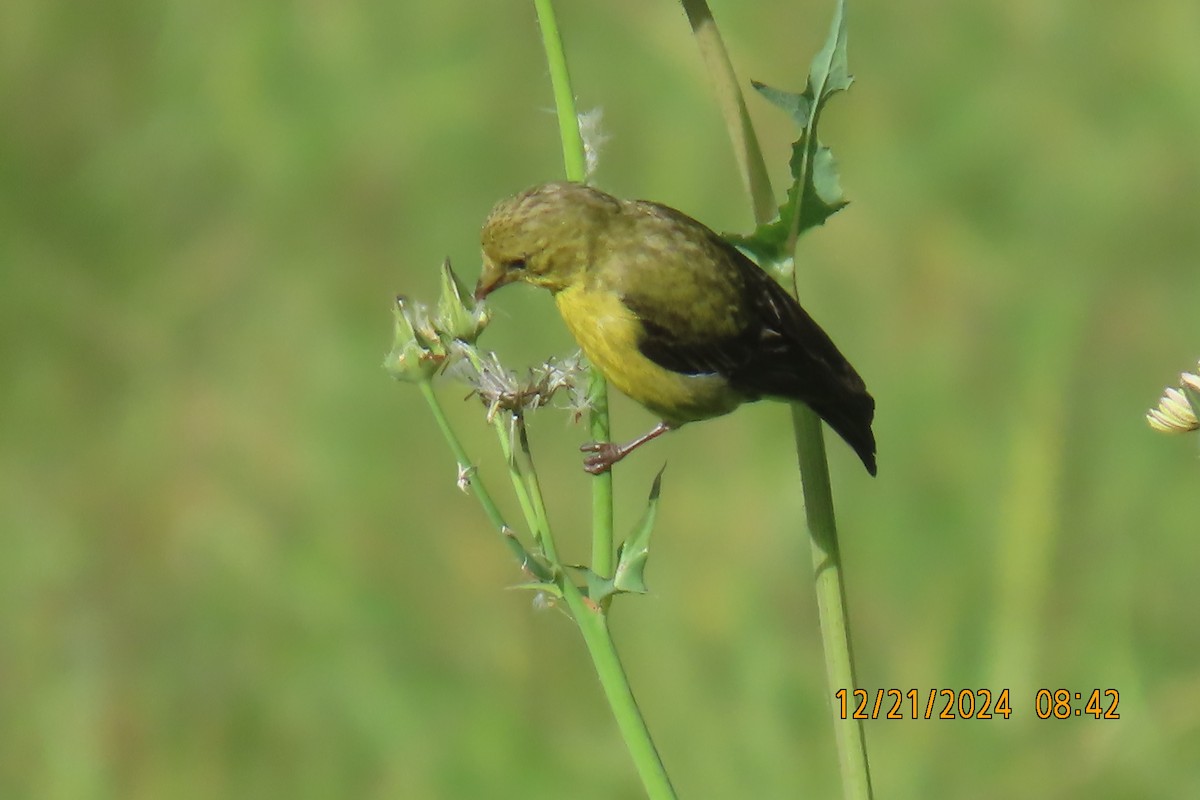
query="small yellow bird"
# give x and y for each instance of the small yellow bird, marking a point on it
(670, 313)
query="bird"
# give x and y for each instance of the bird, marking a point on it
(670, 313)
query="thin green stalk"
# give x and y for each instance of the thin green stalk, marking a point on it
(538, 526)
(602, 488)
(820, 522)
(746, 151)
(574, 158)
(593, 624)
(575, 163)
(593, 619)
(477, 487)
(831, 598)
(534, 485)
(460, 455)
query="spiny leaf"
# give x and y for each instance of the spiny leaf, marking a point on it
(767, 246)
(599, 588)
(798, 106)
(828, 74)
(815, 170)
(815, 193)
(830, 70)
(629, 575)
(596, 587)
(632, 555)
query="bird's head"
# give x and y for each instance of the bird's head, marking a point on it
(543, 236)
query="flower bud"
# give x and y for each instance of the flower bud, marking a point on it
(459, 316)
(416, 350)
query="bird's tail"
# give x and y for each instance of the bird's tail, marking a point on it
(851, 416)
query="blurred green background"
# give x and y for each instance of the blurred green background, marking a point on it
(234, 561)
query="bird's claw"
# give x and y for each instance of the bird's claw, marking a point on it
(601, 456)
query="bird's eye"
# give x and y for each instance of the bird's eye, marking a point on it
(516, 264)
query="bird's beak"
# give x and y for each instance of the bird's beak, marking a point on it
(491, 279)
(484, 288)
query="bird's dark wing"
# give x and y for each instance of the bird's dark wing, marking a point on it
(763, 343)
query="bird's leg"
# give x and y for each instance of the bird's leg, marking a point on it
(602, 455)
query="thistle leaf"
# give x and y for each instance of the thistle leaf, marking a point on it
(815, 193)
(629, 576)
(633, 554)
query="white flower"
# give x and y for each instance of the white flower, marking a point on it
(1176, 411)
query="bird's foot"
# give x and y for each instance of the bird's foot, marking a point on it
(601, 456)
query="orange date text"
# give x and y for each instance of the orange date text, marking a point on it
(918, 704)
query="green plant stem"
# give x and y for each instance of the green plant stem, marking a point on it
(538, 527)
(575, 164)
(574, 158)
(820, 522)
(529, 472)
(831, 598)
(593, 624)
(751, 165)
(602, 487)
(460, 455)
(592, 619)
(490, 508)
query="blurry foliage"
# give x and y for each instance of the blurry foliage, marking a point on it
(233, 566)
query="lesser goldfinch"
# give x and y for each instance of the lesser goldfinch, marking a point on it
(670, 313)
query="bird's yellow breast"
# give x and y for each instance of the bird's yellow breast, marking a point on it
(608, 333)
